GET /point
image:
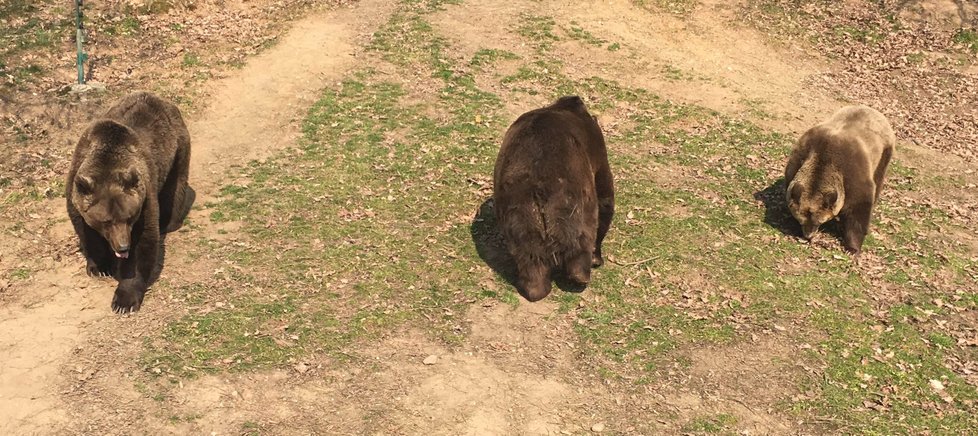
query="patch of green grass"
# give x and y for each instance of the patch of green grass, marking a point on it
(866, 34)
(715, 424)
(378, 159)
(18, 8)
(676, 7)
(253, 333)
(917, 57)
(755, 107)
(218, 216)
(20, 273)
(251, 428)
(176, 419)
(576, 32)
(539, 30)
(190, 60)
(26, 73)
(26, 32)
(878, 379)
(157, 6)
(126, 25)
(486, 56)
(269, 43)
(677, 74)
(968, 38)
(129, 26)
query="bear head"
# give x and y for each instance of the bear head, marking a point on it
(109, 187)
(813, 207)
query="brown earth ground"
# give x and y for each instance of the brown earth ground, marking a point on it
(68, 364)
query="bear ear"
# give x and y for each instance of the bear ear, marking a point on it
(572, 103)
(794, 192)
(84, 185)
(130, 179)
(829, 199)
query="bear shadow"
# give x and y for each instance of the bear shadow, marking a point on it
(777, 215)
(491, 247)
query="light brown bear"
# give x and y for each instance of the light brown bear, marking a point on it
(126, 187)
(554, 195)
(836, 170)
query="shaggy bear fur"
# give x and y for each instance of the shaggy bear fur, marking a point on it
(837, 169)
(554, 195)
(127, 185)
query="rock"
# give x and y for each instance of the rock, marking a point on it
(430, 360)
(598, 428)
(85, 88)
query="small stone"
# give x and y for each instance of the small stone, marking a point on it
(598, 428)
(301, 368)
(430, 360)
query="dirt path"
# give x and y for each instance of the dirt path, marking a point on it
(257, 111)
(251, 115)
(706, 58)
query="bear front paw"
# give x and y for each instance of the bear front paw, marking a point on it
(596, 259)
(96, 271)
(126, 301)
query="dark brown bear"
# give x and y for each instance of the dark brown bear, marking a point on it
(554, 195)
(837, 169)
(127, 185)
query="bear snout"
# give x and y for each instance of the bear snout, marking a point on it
(807, 231)
(118, 238)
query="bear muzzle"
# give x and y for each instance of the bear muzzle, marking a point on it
(122, 252)
(118, 239)
(807, 231)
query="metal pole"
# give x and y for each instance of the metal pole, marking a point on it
(80, 39)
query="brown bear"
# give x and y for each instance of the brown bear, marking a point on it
(836, 170)
(554, 195)
(127, 186)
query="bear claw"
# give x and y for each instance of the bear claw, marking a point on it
(122, 310)
(126, 302)
(97, 273)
